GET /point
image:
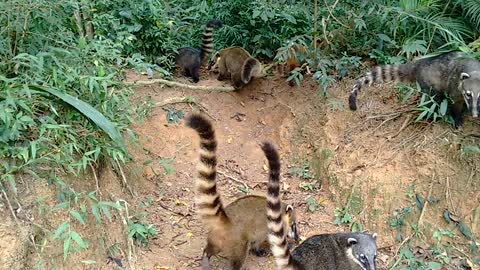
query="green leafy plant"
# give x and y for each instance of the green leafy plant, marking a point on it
(302, 171)
(312, 204)
(140, 232)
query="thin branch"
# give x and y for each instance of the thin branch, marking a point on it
(78, 22)
(96, 179)
(188, 100)
(420, 219)
(330, 13)
(124, 179)
(10, 207)
(233, 179)
(182, 85)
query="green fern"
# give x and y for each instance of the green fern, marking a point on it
(471, 9)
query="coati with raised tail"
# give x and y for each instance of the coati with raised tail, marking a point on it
(451, 74)
(237, 64)
(191, 59)
(240, 226)
(338, 251)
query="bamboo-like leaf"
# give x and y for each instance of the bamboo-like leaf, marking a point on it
(76, 237)
(61, 229)
(66, 247)
(88, 111)
(77, 216)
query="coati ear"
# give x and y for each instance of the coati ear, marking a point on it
(464, 76)
(351, 241)
(374, 235)
(289, 209)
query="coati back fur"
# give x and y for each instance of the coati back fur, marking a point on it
(241, 225)
(339, 251)
(451, 74)
(191, 59)
(237, 64)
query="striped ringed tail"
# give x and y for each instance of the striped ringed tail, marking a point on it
(208, 202)
(277, 236)
(379, 73)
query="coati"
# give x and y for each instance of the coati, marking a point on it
(289, 59)
(191, 59)
(450, 74)
(237, 64)
(338, 251)
(240, 226)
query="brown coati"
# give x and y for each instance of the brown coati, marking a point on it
(237, 64)
(451, 74)
(289, 58)
(191, 59)
(240, 226)
(338, 251)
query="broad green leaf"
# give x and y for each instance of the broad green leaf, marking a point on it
(88, 111)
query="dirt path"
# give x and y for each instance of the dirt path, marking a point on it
(365, 169)
(368, 161)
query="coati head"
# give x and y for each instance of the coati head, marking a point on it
(362, 249)
(290, 221)
(213, 63)
(470, 87)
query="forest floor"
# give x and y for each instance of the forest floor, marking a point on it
(372, 165)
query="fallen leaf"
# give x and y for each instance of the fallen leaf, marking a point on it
(321, 201)
(229, 140)
(265, 167)
(285, 186)
(189, 234)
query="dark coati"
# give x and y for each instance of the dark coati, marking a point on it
(191, 59)
(237, 64)
(451, 74)
(241, 225)
(339, 251)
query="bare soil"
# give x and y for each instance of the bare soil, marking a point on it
(372, 161)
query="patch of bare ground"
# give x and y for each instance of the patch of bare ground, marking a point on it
(370, 162)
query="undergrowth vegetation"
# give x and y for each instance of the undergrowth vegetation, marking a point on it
(64, 107)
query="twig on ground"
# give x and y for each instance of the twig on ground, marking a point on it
(425, 204)
(183, 85)
(96, 179)
(124, 179)
(188, 100)
(385, 121)
(130, 245)
(172, 211)
(404, 125)
(233, 179)
(10, 207)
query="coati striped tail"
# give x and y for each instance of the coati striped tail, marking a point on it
(207, 38)
(208, 202)
(403, 73)
(248, 69)
(276, 235)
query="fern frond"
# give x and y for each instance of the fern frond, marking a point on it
(451, 28)
(472, 12)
